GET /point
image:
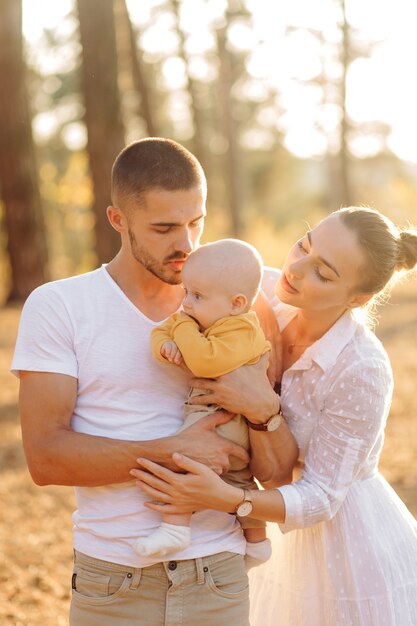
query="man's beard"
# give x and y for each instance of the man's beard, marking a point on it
(154, 266)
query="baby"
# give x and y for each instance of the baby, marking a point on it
(216, 333)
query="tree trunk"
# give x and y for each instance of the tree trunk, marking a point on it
(18, 175)
(346, 199)
(102, 111)
(199, 146)
(234, 180)
(130, 59)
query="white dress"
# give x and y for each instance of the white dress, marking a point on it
(347, 552)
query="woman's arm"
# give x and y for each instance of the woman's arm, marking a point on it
(269, 324)
(347, 431)
(200, 488)
(345, 434)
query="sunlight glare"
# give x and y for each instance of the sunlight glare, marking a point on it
(43, 14)
(285, 64)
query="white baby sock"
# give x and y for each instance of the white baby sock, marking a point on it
(167, 538)
(257, 553)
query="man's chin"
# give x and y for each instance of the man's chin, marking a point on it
(173, 278)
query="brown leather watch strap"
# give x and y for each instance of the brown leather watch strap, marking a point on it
(265, 427)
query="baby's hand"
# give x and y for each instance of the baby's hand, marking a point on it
(171, 352)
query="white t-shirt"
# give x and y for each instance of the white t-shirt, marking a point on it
(86, 327)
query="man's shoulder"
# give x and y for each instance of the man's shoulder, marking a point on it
(74, 284)
(64, 294)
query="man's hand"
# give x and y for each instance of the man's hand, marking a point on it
(171, 352)
(272, 332)
(202, 443)
(246, 391)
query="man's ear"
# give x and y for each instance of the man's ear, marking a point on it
(116, 218)
(239, 304)
(360, 300)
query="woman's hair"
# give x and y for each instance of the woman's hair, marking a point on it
(388, 250)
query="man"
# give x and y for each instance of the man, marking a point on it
(93, 400)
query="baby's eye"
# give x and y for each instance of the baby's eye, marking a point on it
(197, 296)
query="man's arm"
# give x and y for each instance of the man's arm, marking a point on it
(58, 455)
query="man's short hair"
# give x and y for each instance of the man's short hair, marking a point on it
(154, 163)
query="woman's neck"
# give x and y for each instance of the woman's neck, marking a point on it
(312, 325)
(304, 330)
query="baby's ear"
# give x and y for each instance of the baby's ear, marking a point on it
(239, 304)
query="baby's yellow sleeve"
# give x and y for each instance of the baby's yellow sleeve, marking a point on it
(219, 352)
(160, 335)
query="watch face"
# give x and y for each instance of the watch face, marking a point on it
(274, 423)
(244, 509)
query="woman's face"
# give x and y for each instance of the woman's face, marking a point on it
(323, 269)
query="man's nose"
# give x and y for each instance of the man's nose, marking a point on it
(184, 242)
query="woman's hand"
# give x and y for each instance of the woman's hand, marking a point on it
(246, 391)
(200, 488)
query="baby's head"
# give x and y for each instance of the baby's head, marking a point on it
(220, 279)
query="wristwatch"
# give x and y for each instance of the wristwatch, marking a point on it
(245, 507)
(272, 424)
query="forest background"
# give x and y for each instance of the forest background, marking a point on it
(293, 108)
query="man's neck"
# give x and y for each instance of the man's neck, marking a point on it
(152, 296)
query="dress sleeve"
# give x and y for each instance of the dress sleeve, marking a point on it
(45, 341)
(347, 434)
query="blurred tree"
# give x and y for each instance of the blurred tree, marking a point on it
(229, 128)
(26, 242)
(192, 87)
(345, 54)
(338, 49)
(102, 111)
(231, 69)
(132, 66)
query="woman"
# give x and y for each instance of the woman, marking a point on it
(347, 552)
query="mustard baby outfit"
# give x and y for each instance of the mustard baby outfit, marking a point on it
(229, 343)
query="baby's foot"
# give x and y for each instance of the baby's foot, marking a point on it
(257, 553)
(167, 538)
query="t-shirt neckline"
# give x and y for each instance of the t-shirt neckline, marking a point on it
(124, 297)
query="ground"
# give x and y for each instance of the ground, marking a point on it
(35, 522)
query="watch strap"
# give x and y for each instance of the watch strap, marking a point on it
(263, 427)
(247, 497)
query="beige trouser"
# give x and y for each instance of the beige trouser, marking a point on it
(196, 592)
(239, 474)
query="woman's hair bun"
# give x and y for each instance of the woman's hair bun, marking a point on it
(407, 250)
